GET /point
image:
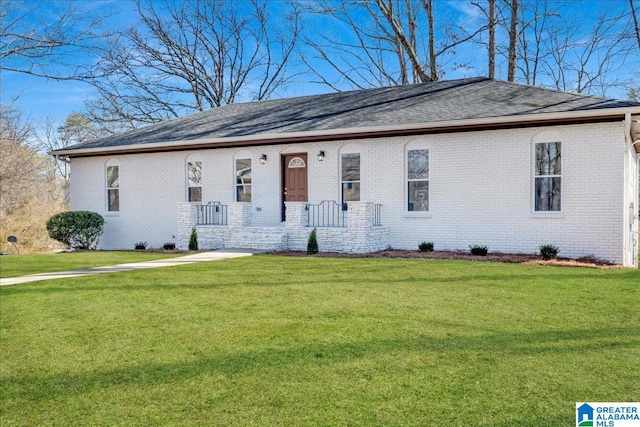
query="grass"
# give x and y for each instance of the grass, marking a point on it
(272, 340)
(22, 265)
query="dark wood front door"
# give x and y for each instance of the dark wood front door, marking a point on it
(294, 179)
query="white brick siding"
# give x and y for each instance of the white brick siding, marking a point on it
(480, 190)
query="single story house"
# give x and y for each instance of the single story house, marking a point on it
(464, 162)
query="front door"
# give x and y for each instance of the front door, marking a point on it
(294, 179)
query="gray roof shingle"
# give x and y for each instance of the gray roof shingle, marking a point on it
(462, 99)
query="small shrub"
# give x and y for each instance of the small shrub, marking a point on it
(76, 229)
(140, 245)
(479, 250)
(312, 243)
(425, 247)
(548, 252)
(193, 240)
(169, 246)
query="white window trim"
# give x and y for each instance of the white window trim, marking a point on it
(411, 146)
(342, 182)
(108, 164)
(194, 160)
(547, 138)
(235, 177)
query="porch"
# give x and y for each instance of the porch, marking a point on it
(355, 227)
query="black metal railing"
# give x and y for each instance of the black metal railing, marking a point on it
(327, 214)
(213, 213)
(377, 214)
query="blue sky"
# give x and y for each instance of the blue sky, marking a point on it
(38, 97)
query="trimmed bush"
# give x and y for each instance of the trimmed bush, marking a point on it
(169, 246)
(425, 247)
(548, 252)
(140, 245)
(312, 243)
(479, 250)
(76, 229)
(193, 240)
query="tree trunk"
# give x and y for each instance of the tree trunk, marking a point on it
(387, 12)
(492, 39)
(513, 41)
(411, 20)
(428, 4)
(635, 22)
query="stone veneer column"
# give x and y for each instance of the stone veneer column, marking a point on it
(187, 218)
(296, 214)
(239, 214)
(359, 227)
(360, 216)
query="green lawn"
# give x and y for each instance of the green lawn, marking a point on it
(270, 340)
(22, 265)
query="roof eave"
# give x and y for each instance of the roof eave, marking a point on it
(464, 125)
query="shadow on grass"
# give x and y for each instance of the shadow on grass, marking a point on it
(318, 355)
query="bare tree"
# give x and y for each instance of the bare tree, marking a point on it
(46, 39)
(582, 58)
(186, 57)
(538, 22)
(495, 22)
(513, 41)
(23, 164)
(18, 158)
(492, 38)
(409, 46)
(563, 50)
(76, 129)
(29, 192)
(636, 26)
(382, 42)
(493, 12)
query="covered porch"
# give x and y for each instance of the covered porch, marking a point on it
(355, 227)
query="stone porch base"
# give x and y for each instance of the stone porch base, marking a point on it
(359, 236)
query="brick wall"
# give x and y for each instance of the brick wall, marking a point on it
(480, 189)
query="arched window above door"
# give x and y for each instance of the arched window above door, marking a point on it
(297, 162)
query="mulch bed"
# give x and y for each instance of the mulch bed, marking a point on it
(532, 259)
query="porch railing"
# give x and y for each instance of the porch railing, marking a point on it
(327, 214)
(213, 213)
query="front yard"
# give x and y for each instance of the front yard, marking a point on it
(272, 340)
(23, 265)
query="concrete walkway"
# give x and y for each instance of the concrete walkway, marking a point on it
(167, 262)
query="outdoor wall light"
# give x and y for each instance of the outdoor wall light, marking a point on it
(263, 159)
(321, 156)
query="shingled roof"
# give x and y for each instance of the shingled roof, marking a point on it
(390, 107)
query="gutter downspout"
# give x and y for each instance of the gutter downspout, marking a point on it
(632, 137)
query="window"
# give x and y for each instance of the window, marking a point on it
(113, 189)
(350, 177)
(296, 162)
(418, 180)
(548, 183)
(243, 180)
(195, 181)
